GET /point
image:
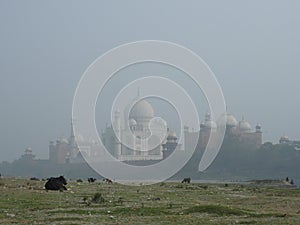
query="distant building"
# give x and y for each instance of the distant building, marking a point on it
(27, 156)
(67, 151)
(136, 133)
(241, 130)
(284, 140)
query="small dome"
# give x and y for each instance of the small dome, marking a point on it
(79, 139)
(64, 140)
(172, 134)
(132, 122)
(231, 120)
(141, 110)
(210, 124)
(244, 126)
(258, 128)
(92, 141)
(284, 138)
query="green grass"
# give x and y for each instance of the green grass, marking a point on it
(25, 202)
(218, 210)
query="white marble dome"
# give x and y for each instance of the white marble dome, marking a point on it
(141, 110)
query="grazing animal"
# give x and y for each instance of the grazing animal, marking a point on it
(108, 181)
(186, 180)
(79, 181)
(34, 178)
(56, 184)
(91, 180)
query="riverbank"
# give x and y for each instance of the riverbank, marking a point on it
(26, 202)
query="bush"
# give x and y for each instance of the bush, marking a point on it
(97, 198)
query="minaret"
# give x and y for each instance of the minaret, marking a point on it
(258, 128)
(117, 126)
(207, 117)
(72, 143)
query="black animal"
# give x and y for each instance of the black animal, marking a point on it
(91, 180)
(186, 180)
(34, 178)
(56, 184)
(79, 181)
(108, 181)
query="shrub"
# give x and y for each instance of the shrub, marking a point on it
(97, 198)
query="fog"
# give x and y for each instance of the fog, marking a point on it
(45, 46)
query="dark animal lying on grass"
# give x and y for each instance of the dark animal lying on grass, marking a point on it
(56, 184)
(108, 181)
(186, 180)
(91, 180)
(34, 178)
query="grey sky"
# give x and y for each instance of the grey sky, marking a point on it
(45, 46)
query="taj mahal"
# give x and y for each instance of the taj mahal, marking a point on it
(133, 139)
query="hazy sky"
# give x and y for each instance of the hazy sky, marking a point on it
(45, 46)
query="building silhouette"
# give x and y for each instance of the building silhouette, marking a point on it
(132, 140)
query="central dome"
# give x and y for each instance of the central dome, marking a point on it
(141, 110)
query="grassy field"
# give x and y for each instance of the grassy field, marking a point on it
(26, 202)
